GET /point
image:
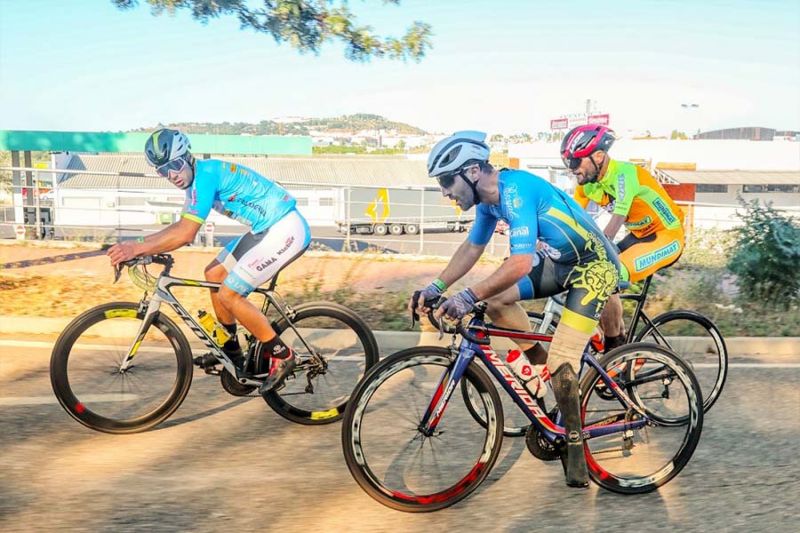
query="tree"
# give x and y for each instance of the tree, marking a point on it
(305, 25)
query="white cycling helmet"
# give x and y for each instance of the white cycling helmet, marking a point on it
(166, 145)
(451, 153)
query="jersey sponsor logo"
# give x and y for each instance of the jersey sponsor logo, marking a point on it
(288, 243)
(233, 168)
(266, 263)
(511, 201)
(620, 186)
(664, 210)
(650, 259)
(546, 249)
(639, 224)
(232, 197)
(520, 232)
(252, 205)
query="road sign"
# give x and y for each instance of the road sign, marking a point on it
(19, 231)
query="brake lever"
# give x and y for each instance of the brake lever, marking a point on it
(117, 272)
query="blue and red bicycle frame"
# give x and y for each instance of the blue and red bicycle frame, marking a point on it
(475, 343)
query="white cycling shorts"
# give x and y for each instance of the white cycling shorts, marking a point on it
(254, 258)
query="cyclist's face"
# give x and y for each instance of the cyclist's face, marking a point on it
(183, 178)
(458, 190)
(587, 171)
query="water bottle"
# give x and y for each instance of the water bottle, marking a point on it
(214, 329)
(526, 372)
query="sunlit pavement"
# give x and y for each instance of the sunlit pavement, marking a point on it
(231, 463)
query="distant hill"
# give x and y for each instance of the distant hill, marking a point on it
(353, 123)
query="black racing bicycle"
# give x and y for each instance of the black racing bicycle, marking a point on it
(688, 333)
(124, 367)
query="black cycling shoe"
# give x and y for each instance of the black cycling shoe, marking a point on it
(210, 360)
(566, 391)
(279, 369)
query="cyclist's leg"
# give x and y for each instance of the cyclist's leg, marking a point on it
(589, 285)
(278, 246)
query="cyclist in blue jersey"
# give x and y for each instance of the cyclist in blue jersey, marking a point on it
(278, 235)
(555, 247)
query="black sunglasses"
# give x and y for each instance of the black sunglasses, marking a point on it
(446, 180)
(571, 163)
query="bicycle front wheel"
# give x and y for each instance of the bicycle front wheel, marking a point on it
(87, 380)
(335, 348)
(388, 455)
(697, 339)
(665, 391)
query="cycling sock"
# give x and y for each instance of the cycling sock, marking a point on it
(536, 354)
(232, 344)
(275, 348)
(567, 347)
(613, 342)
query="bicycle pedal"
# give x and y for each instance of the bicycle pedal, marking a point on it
(212, 371)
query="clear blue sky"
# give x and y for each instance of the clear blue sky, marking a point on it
(503, 66)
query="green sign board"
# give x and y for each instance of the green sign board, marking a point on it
(92, 141)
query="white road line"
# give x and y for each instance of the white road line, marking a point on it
(46, 400)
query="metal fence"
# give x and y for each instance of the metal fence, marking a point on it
(402, 220)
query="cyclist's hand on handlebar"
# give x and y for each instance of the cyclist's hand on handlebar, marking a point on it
(422, 300)
(457, 306)
(122, 251)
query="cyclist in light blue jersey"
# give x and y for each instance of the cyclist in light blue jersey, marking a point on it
(555, 247)
(278, 235)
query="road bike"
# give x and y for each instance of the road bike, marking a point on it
(688, 333)
(411, 443)
(125, 367)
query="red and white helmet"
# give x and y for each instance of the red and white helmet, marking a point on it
(583, 141)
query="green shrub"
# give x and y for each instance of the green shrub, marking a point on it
(766, 256)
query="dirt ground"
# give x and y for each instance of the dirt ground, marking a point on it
(48, 282)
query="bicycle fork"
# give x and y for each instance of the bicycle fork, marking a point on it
(444, 390)
(153, 305)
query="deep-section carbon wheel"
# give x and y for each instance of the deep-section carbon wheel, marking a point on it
(87, 380)
(390, 457)
(665, 391)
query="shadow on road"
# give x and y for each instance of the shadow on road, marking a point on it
(203, 414)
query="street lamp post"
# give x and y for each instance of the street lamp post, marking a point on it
(688, 108)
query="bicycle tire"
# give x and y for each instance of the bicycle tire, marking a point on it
(710, 394)
(82, 411)
(353, 426)
(632, 353)
(283, 401)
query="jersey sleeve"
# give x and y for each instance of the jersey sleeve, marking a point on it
(580, 197)
(483, 227)
(626, 188)
(521, 205)
(200, 198)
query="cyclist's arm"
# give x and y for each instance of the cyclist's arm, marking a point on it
(614, 225)
(462, 261)
(510, 272)
(170, 238)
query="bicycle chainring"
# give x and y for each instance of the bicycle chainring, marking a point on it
(233, 387)
(540, 447)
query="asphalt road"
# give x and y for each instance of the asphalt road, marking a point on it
(231, 463)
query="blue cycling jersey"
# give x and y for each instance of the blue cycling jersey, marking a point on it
(237, 192)
(536, 210)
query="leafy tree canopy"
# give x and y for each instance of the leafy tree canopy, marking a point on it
(305, 25)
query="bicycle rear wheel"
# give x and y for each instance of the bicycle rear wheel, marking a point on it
(343, 348)
(389, 456)
(699, 342)
(85, 369)
(664, 388)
